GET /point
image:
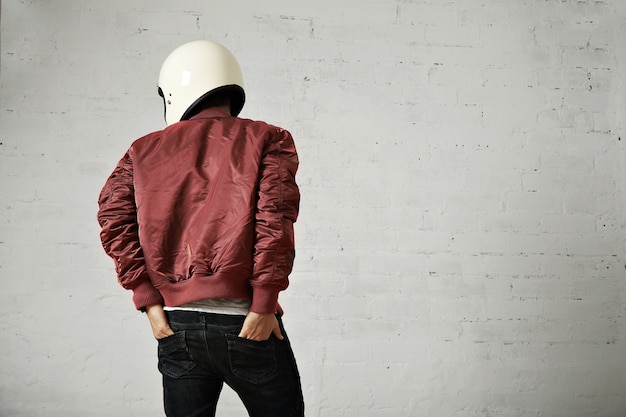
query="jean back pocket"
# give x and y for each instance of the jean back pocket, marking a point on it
(251, 360)
(174, 358)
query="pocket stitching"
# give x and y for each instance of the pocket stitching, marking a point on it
(170, 345)
(262, 351)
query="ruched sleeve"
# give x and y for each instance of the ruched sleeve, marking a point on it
(276, 211)
(117, 216)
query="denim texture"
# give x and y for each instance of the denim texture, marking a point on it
(205, 352)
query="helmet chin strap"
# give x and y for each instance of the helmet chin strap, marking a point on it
(164, 105)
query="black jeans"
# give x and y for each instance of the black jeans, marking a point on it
(205, 352)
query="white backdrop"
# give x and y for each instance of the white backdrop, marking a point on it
(461, 240)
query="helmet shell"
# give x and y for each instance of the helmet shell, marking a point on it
(196, 71)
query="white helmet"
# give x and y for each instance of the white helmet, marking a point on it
(196, 71)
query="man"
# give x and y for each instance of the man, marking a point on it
(198, 219)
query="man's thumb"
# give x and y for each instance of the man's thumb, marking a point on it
(277, 332)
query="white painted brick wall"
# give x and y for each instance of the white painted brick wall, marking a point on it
(461, 244)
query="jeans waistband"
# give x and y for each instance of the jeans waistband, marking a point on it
(203, 319)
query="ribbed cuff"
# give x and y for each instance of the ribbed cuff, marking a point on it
(264, 300)
(145, 294)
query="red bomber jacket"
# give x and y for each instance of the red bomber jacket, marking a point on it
(204, 209)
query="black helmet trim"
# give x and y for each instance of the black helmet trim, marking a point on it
(234, 92)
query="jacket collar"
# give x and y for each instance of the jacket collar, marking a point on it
(211, 112)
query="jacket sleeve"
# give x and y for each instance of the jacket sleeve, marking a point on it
(117, 216)
(276, 211)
